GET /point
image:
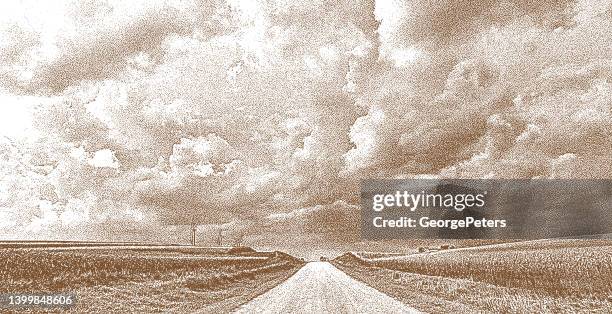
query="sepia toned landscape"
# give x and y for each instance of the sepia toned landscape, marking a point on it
(544, 276)
(210, 156)
(552, 276)
(143, 278)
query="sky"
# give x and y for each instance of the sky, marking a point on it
(127, 120)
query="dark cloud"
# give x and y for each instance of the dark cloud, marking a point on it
(459, 20)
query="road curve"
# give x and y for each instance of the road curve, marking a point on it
(319, 287)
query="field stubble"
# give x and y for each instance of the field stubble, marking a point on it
(540, 276)
(149, 280)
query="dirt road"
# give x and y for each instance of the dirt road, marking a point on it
(319, 287)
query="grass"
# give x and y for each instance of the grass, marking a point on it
(101, 273)
(548, 276)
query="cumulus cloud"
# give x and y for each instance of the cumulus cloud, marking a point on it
(203, 184)
(266, 114)
(438, 22)
(504, 99)
(94, 39)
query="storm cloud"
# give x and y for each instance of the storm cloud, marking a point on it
(267, 114)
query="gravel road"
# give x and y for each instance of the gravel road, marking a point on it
(319, 287)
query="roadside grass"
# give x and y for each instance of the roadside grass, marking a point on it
(180, 295)
(525, 277)
(117, 278)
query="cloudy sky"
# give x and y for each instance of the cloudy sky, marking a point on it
(120, 119)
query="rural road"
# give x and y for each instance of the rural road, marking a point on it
(319, 287)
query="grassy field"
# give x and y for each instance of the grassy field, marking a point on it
(144, 278)
(533, 276)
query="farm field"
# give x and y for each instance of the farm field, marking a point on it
(532, 276)
(144, 278)
(412, 246)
